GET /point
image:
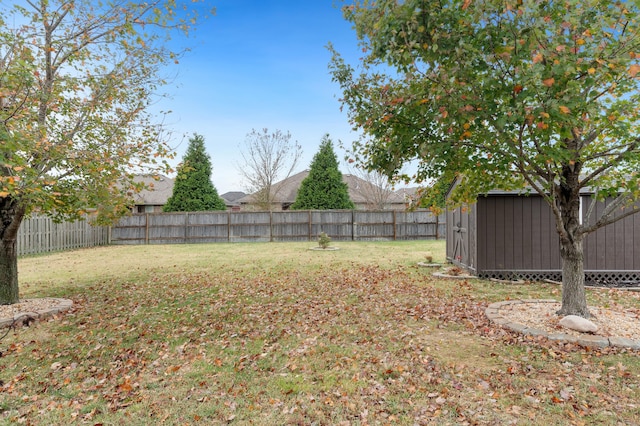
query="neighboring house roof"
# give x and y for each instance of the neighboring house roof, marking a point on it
(286, 190)
(160, 188)
(362, 191)
(232, 197)
(408, 193)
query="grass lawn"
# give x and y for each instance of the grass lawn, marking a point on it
(276, 334)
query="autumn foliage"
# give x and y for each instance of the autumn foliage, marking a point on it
(77, 79)
(537, 97)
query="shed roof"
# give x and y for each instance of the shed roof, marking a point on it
(524, 191)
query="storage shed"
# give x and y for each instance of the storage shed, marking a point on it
(507, 235)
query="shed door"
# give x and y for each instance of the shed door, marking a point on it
(460, 237)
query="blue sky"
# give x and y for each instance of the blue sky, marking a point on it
(260, 64)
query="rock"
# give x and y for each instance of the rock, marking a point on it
(577, 323)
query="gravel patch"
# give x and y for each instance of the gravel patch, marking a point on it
(539, 317)
(33, 308)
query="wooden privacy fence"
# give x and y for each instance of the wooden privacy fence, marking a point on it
(229, 226)
(40, 234)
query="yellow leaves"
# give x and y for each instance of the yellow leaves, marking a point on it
(537, 58)
(549, 81)
(591, 71)
(563, 109)
(4, 194)
(544, 114)
(580, 41)
(633, 70)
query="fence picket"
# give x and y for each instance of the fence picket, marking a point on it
(227, 226)
(40, 234)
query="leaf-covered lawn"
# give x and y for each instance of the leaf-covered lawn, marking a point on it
(277, 334)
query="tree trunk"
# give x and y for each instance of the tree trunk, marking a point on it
(11, 214)
(574, 301)
(8, 272)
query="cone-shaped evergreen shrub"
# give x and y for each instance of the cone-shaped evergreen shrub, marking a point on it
(193, 190)
(323, 188)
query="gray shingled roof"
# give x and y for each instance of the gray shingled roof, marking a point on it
(232, 197)
(161, 188)
(287, 190)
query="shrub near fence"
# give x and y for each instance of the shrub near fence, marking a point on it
(40, 234)
(229, 226)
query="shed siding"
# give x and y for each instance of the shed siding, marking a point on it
(615, 247)
(516, 233)
(511, 234)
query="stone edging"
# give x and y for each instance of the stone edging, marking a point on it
(453, 277)
(61, 306)
(588, 340)
(429, 265)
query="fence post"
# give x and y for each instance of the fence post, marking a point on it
(353, 225)
(437, 227)
(395, 236)
(146, 228)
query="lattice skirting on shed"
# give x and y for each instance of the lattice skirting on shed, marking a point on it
(599, 278)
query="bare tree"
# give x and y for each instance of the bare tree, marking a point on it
(374, 187)
(268, 158)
